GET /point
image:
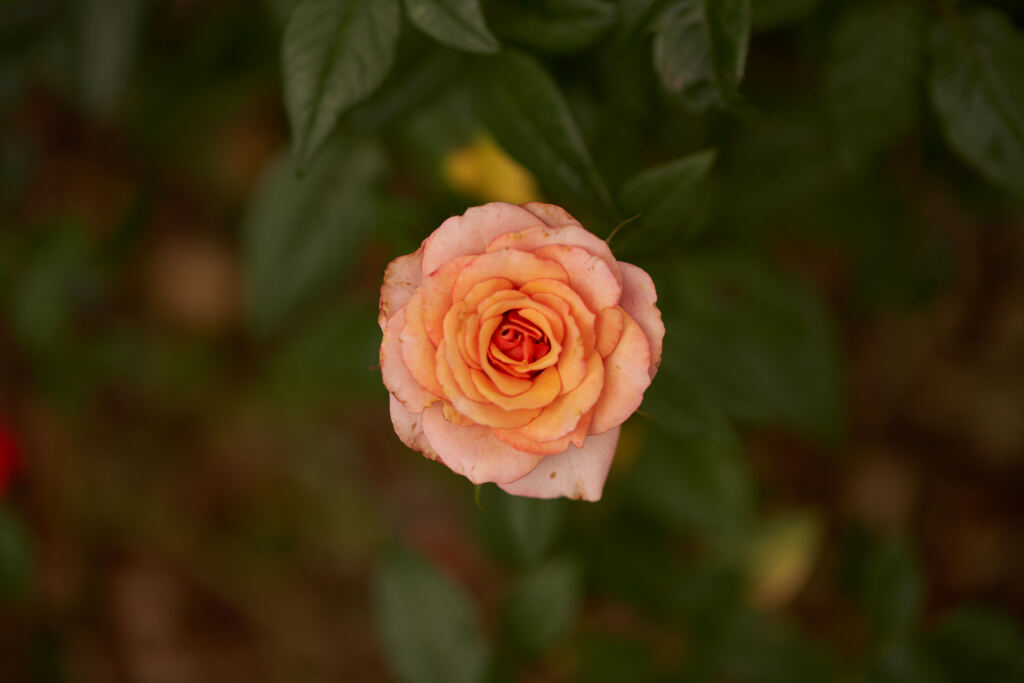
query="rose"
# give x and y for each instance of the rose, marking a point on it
(514, 347)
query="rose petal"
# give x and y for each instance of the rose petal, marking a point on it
(543, 390)
(481, 413)
(550, 213)
(568, 235)
(515, 439)
(563, 415)
(473, 451)
(639, 300)
(401, 278)
(609, 329)
(394, 372)
(626, 377)
(471, 232)
(437, 296)
(577, 473)
(417, 350)
(409, 428)
(589, 275)
(518, 266)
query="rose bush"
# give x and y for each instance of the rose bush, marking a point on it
(514, 347)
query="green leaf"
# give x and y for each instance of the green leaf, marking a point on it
(15, 556)
(697, 483)
(978, 645)
(105, 37)
(633, 14)
(554, 26)
(873, 76)
(542, 606)
(301, 234)
(888, 585)
(672, 201)
(773, 14)
(755, 345)
(978, 93)
(339, 349)
(700, 49)
(457, 23)
(534, 524)
(428, 628)
(334, 54)
(523, 108)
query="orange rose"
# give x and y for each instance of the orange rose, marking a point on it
(515, 345)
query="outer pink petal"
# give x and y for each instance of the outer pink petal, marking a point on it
(589, 275)
(417, 350)
(409, 428)
(575, 473)
(550, 213)
(639, 299)
(475, 453)
(569, 235)
(471, 232)
(626, 377)
(401, 278)
(395, 374)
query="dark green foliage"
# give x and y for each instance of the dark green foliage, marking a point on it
(700, 50)
(978, 92)
(525, 110)
(554, 26)
(303, 232)
(428, 627)
(458, 23)
(334, 54)
(542, 605)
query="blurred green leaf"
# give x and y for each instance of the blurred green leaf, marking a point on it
(978, 93)
(105, 37)
(697, 484)
(633, 14)
(873, 76)
(605, 658)
(887, 584)
(458, 23)
(60, 277)
(428, 627)
(555, 26)
(534, 524)
(756, 345)
(672, 201)
(334, 54)
(761, 649)
(542, 605)
(700, 50)
(338, 349)
(301, 234)
(978, 645)
(15, 556)
(774, 14)
(408, 89)
(523, 108)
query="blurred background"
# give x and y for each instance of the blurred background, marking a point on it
(199, 480)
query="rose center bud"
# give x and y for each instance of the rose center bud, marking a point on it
(520, 339)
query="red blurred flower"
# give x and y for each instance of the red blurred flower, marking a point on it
(10, 457)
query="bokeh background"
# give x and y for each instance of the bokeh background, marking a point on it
(198, 477)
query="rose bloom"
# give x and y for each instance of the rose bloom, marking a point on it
(515, 346)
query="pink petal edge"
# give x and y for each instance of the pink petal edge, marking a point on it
(577, 473)
(639, 299)
(474, 452)
(401, 278)
(471, 232)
